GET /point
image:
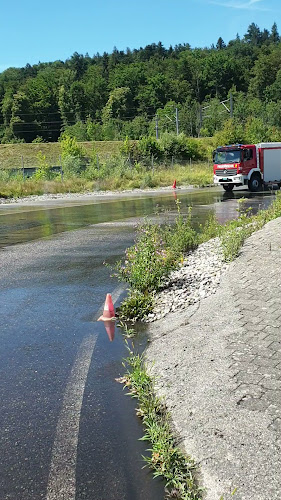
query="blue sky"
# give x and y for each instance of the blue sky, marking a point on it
(33, 31)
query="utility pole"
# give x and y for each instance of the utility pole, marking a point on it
(200, 120)
(156, 127)
(228, 107)
(231, 104)
(177, 120)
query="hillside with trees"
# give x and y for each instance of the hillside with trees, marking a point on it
(118, 95)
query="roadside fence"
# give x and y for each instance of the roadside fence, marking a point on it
(26, 167)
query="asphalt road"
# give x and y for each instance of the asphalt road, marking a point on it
(67, 431)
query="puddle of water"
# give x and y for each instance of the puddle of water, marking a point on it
(30, 223)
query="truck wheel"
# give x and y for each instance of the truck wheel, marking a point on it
(228, 187)
(255, 183)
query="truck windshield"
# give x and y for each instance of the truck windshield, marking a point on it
(227, 157)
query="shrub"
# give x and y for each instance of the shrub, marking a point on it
(44, 172)
(38, 140)
(147, 261)
(181, 237)
(135, 306)
(149, 146)
(131, 150)
(179, 146)
(72, 166)
(70, 147)
(232, 133)
(78, 131)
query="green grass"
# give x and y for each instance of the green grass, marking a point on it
(165, 458)
(21, 189)
(108, 179)
(234, 233)
(11, 154)
(158, 249)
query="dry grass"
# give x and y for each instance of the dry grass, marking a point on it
(199, 174)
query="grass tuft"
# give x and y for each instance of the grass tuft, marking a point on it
(165, 458)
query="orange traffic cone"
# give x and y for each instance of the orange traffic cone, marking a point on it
(108, 311)
(175, 184)
(110, 329)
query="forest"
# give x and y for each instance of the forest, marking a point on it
(126, 93)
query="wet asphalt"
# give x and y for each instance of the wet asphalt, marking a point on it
(50, 293)
(51, 289)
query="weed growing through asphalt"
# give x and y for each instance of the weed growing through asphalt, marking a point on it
(165, 458)
(127, 332)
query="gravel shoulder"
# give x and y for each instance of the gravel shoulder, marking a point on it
(217, 362)
(87, 196)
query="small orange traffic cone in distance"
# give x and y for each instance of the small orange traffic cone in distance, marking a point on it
(108, 311)
(175, 184)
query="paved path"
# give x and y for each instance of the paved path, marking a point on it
(219, 368)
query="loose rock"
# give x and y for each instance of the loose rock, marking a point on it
(197, 278)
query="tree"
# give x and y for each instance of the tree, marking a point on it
(220, 44)
(65, 103)
(253, 35)
(78, 63)
(265, 71)
(6, 107)
(274, 35)
(118, 104)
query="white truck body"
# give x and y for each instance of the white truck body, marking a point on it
(271, 161)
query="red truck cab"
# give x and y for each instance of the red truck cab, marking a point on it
(252, 165)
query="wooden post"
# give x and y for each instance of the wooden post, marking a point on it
(22, 166)
(61, 171)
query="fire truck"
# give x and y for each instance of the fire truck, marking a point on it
(252, 165)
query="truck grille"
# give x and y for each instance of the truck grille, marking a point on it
(223, 172)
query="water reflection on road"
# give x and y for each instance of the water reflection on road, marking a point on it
(21, 223)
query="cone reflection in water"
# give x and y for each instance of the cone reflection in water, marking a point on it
(108, 311)
(110, 329)
(175, 195)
